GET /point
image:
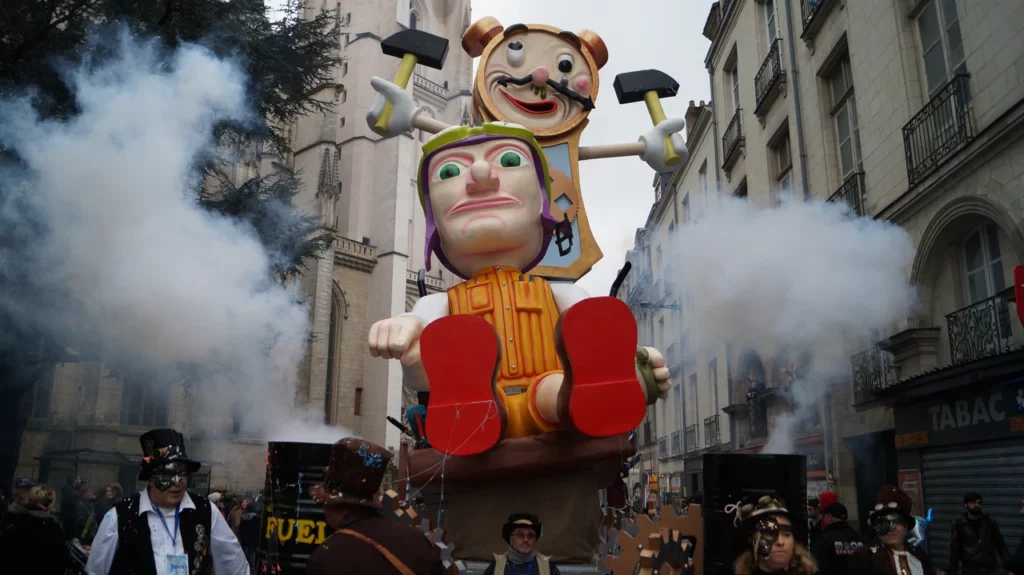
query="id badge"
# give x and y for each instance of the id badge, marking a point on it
(177, 565)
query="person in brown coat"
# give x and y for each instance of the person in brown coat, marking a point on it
(890, 554)
(365, 541)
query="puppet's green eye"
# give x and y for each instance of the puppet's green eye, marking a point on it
(511, 159)
(449, 171)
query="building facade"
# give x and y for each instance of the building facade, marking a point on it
(908, 111)
(363, 189)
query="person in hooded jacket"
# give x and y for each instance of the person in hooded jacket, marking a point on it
(33, 541)
(837, 542)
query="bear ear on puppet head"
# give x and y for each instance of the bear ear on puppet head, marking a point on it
(486, 29)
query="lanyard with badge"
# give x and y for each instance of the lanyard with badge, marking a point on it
(177, 564)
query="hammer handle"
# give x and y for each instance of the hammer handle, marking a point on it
(405, 70)
(658, 116)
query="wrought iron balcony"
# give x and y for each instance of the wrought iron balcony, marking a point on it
(677, 443)
(663, 448)
(939, 130)
(851, 193)
(640, 288)
(690, 438)
(979, 330)
(732, 141)
(814, 12)
(711, 431)
(769, 79)
(873, 371)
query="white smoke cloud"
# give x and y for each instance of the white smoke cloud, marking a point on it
(805, 275)
(165, 283)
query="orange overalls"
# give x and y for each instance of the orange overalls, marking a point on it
(522, 310)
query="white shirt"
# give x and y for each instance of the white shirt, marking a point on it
(915, 566)
(225, 551)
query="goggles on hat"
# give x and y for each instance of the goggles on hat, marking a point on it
(887, 523)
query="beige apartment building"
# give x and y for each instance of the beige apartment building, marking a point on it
(909, 111)
(363, 189)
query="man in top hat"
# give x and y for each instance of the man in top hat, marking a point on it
(521, 531)
(767, 527)
(165, 529)
(837, 542)
(891, 554)
(365, 541)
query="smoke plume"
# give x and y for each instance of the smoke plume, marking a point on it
(805, 276)
(123, 250)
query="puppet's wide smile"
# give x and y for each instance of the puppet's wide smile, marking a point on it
(539, 108)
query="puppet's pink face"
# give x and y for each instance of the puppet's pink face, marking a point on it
(486, 201)
(558, 75)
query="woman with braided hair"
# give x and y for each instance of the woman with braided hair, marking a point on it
(768, 528)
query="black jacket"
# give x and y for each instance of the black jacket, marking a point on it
(32, 543)
(834, 547)
(1015, 563)
(968, 546)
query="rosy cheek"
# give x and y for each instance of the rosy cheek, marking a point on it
(583, 85)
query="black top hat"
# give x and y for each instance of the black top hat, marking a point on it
(750, 510)
(890, 499)
(163, 446)
(517, 520)
(354, 474)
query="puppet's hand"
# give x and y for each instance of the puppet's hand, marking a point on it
(654, 142)
(391, 338)
(403, 110)
(652, 373)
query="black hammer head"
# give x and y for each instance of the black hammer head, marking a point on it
(429, 50)
(631, 86)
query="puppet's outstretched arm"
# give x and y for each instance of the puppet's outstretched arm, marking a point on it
(650, 147)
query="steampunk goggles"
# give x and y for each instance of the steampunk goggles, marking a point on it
(168, 475)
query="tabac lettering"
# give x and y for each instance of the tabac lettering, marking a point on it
(305, 531)
(963, 413)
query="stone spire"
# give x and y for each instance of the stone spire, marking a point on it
(327, 188)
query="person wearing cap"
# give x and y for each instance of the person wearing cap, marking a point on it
(837, 542)
(976, 541)
(813, 519)
(891, 554)
(22, 486)
(165, 529)
(364, 540)
(767, 526)
(521, 531)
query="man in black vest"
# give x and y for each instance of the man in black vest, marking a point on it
(165, 530)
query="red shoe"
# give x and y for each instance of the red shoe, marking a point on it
(596, 340)
(460, 354)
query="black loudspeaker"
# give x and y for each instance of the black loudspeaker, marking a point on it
(730, 478)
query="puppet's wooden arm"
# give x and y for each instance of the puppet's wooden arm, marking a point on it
(612, 151)
(428, 124)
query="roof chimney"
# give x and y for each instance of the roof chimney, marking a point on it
(692, 113)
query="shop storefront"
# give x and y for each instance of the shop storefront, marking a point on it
(970, 439)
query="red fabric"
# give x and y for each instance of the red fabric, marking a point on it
(825, 499)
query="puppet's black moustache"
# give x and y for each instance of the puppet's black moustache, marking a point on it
(560, 87)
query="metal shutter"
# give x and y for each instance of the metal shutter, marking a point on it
(994, 470)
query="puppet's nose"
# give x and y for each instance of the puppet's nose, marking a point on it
(540, 76)
(481, 171)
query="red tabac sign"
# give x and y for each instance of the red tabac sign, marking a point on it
(1018, 291)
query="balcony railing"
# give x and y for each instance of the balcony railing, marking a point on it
(814, 12)
(851, 193)
(979, 330)
(640, 288)
(430, 86)
(768, 78)
(677, 443)
(690, 438)
(939, 130)
(663, 448)
(711, 431)
(732, 140)
(873, 370)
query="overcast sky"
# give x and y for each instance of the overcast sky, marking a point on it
(640, 34)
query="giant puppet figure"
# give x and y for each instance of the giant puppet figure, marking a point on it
(505, 354)
(546, 80)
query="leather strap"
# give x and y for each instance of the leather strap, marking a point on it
(395, 561)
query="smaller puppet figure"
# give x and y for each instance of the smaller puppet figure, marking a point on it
(767, 526)
(505, 354)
